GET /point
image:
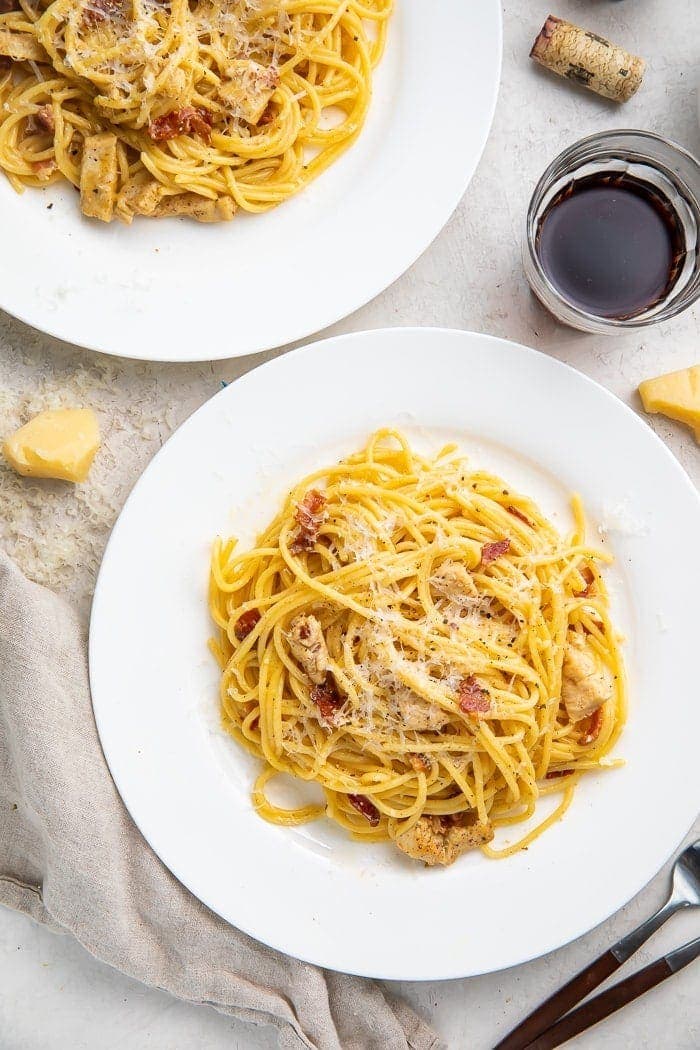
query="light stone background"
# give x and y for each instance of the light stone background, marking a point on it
(53, 996)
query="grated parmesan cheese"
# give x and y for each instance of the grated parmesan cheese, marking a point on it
(55, 532)
(619, 518)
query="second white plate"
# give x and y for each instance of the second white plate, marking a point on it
(312, 892)
(174, 290)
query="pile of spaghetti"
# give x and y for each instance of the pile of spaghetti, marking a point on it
(189, 107)
(418, 639)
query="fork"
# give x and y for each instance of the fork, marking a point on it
(685, 893)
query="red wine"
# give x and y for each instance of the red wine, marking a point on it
(611, 244)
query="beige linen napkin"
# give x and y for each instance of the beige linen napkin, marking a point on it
(71, 857)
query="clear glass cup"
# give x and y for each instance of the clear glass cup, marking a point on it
(676, 175)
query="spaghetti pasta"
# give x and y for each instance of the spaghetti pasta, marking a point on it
(413, 635)
(193, 107)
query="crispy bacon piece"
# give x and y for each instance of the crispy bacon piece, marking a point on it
(592, 726)
(100, 11)
(491, 551)
(246, 623)
(420, 763)
(554, 774)
(309, 517)
(473, 698)
(328, 700)
(589, 577)
(519, 514)
(368, 809)
(186, 121)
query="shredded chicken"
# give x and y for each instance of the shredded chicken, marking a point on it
(249, 89)
(195, 207)
(175, 84)
(98, 176)
(586, 682)
(138, 197)
(440, 840)
(309, 647)
(451, 580)
(21, 47)
(416, 713)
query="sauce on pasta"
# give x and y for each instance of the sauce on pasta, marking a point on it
(413, 635)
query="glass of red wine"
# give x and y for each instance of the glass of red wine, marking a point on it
(613, 232)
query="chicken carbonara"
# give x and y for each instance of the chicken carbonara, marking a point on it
(183, 107)
(414, 636)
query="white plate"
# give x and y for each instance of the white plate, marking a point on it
(173, 290)
(312, 892)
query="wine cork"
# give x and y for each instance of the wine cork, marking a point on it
(588, 59)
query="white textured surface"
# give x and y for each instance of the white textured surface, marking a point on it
(56, 996)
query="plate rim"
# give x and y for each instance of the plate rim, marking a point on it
(304, 330)
(552, 943)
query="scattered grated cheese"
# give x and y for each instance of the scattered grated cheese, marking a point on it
(620, 519)
(56, 532)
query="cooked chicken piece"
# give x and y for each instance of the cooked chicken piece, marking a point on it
(416, 713)
(451, 580)
(420, 763)
(200, 208)
(309, 647)
(440, 840)
(174, 86)
(249, 89)
(98, 176)
(138, 197)
(586, 682)
(21, 47)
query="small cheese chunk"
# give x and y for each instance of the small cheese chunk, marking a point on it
(676, 395)
(55, 444)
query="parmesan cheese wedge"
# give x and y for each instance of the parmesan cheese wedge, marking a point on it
(676, 395)
(55, 444)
